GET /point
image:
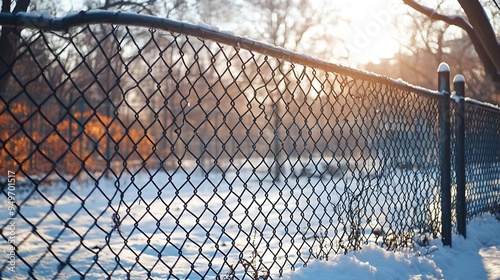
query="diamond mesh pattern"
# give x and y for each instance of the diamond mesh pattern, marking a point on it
(482, 159)
(145, 153)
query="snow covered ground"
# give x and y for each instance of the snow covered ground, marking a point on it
(477, 257)
(162, 225)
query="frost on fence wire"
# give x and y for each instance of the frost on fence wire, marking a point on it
(145, 153)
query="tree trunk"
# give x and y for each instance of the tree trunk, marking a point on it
(479, 30)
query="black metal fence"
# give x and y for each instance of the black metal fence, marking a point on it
(482, 158)
(140, 147)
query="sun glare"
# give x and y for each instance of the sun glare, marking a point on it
(371, 30)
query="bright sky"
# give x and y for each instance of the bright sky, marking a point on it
(370, 35)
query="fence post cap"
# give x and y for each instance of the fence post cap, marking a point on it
(459, 78)
(443, 67)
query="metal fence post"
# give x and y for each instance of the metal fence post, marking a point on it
(445, 150)
(461, 210)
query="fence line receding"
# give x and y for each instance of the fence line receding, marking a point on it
(148, 148)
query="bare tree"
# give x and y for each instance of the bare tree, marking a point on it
(166, 8)
(287, 23)
(216, 12)
(478, 27)
(145, 6)
(291, 24)
(429, 42)
(9, 40)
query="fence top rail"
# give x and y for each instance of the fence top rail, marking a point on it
(202, 31)
(483, 105)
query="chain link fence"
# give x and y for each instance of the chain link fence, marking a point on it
(147, 148)
(482, 158)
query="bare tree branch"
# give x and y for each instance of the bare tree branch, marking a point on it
(177, 5)
(483, 29)
(489, 60)
(143, 6)
(434, 15)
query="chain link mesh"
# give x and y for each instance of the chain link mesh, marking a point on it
(142, 153)
(482, 159)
